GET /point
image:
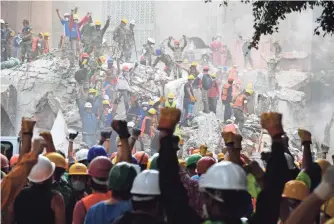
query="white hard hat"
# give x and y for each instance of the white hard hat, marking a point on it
(66, 14)
(106, 97)
(42, 171)
(224, 176)
(151, 40)
(2, 21)
(218, 35)
(131, 124)
(81, 154)
(132, 22)
(88, 105)
(289, 161)
(146, 183)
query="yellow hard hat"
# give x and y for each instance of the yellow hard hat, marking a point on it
(324, 164)
(194, 64)
(191, 77)
(152, 111)
(295, 189)
(328, 207)
(105, 102)
(249, 91)
(170, 95)
(102, 59)
(124, 21)
(214, 75)
(97, 23)
(151, 102)
(182, 163)
(92, 90)
(75, 16)
(78, 169)
(46, 34)
(249, 86)
(57, 159)
(220, 156)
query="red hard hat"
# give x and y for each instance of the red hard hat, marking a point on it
(85, 55)
(125, 68)
(166, 68)
(176, 42)
(99, 167)
(4, 161)
(206, 68)
(14, 159)
(230, 79)
(141, 157)
(204, 164)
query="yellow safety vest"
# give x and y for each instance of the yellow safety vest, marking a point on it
(173, 105)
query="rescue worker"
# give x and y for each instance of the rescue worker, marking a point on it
(7, 36)
(170, 101)
(202, 166)
(215, 47)
(89, 123)
(251, 99)
(130, 41)
(123, 86)
(86, 34)
(120, 181)
(81, 156)
(247, 54)
(149, 51)
(65, 38)
(119, 34)
(97, 37)
(149, 125)
(230, 127)
(142, 159)
(206, 85)
(189, 97)
(177, 55)
(46, 43)
(145, 193)
(98, 172)
(26, 43)
(38, 203)
(94, 99)
(227, 98)
(107, 115)
(192, 164)
(240, 107)
(164, 58)
(213, 94)
(37, 46)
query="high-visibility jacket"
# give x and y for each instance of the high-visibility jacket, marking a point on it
(172, 105)
(226, 86)
(230, 128)
(240, 101)
(143, 127)
(95, 198)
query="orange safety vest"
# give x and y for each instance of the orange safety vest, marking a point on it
(230, 128)
(239, 101)
(225, 91)
(143, 127)
(95, 198)
(34, 44)
(46, 46)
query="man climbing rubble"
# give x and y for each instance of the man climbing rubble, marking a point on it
(130, 41)
(240, 108)
(97, 37)
(26, 43)
(65, 37)
(227, 98)
(177, 52)
(148, 51)
(119, 36)
(164, 58)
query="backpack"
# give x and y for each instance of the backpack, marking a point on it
(206, 82)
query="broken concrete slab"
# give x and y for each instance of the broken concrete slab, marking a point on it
(292, 79)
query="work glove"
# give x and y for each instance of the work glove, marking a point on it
(325, 189)
(193, 99)
(73, 135)
(162, 99)
(272, 122)
(237, 141)
(305, 136)
(228, 137)
(136, 132)
(169, 117)
(106, 134)
(203, 149)
(27, 126)
(121, 128)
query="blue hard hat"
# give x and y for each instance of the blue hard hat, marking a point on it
(134, 160)
(158, 52)
(95, 151)
(110, 60)
(225, 68)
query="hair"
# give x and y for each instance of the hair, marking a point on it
(121, 194)
(59, 171)
(99, 187)
(61, 153)
(145, 205)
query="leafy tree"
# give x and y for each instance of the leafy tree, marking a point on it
(267, 15)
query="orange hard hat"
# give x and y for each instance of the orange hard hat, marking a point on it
(204, 164)
(84, 55)
(14, 159)
(195, 151)
(221, 156)
(295, 189)
(324, 164)
(206, 68)
(209, 154)
(141, 157)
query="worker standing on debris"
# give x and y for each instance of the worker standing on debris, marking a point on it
(164, 58)
(106, 116)
(170, 102)
(177, 51)
(148, 51)
(240, 107)
(86, 34)
(215, 47)
(97, 37)
(46, 43)
(64, 42)
(189, 98)
(26, 43)
(123, 86)
(206, 85)
(37, 47)
(7, 36)
(213, 94)
(130, 41)
(227, 98)
(148, 127)
(89, 122)
(119, 36)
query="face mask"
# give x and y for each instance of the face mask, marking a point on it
(170, 101)
(66, 19)
(78, 185)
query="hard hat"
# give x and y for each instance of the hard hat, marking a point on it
(224, 176)
(146, 183)
(88, 105)
(92, 90)
(249, 86)
(230, 79)
(124, 21)
(220, 156)
(204, 164)
(194, 64)
(78, 169)
(206, 68)
(100, 167)
(66, 14)
(176, 42)
(328, 207)
(75, 17)
(81, 154)
(132, 22)
(13, 160)
(153, 162)
(141, 157)
(42, 170)
(110, 59)
(130, 124)
(218, 35)
(324, 164)
(121, 176)
(151, 102)
(105, 102)
(106, 97)
(102, 59)
(213, 75)
(4, 161)
(182, 163)
(195, 151)
(151, 40)
(193, 159)
(46, 34)
(249, 91)
(165, 68)
(95, 151)
(210, 154)
(97, 23)
(170, 95)
(295, 189)
(2, 21)
(57, 159)
(152, 111)
(158, 52)
(126, 68)
(191, 77)
(85, 55)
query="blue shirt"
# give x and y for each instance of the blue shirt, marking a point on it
(65, 25)
(103, 213)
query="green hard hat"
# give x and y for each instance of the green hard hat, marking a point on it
(121, 176)
(153, 164)
(193, 159)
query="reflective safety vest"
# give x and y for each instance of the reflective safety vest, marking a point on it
(177, 54)
(230, 128)
(97, 37)
(239, 101)
(225, 91)
(173, 105)
(95, 198)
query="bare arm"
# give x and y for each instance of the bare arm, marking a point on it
(58, 206)
(58, 14)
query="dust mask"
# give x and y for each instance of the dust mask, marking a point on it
(78, 185)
